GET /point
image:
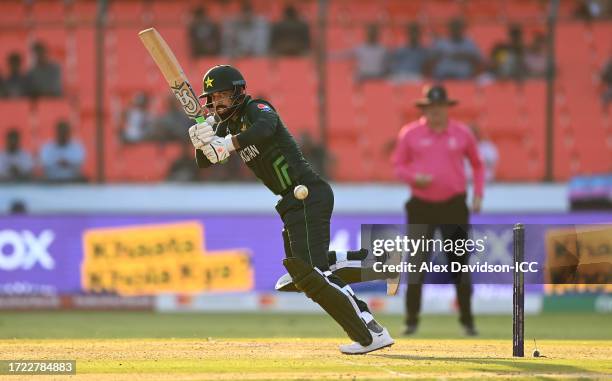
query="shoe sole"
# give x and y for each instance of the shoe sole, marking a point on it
(371, 350)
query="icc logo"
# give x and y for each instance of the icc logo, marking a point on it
(22, 250)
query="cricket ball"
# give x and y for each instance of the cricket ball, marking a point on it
(300, 192)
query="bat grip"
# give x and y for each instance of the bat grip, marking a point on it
(200, 119)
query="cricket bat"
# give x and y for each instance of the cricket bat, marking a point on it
(171, 69)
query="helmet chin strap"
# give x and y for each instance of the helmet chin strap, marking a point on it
(233, 106)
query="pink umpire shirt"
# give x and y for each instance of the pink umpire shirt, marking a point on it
(420, 150)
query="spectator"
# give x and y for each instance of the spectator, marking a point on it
(137, 120)
(173, 124)
(204, 35)
(184, 169)
(409, 61)
(606, 80)
(535, 57)
(314, 153)
(291, 35)
(508, 57)
(17, 207)
(44, 78)
(372, 57)
(16, 83)
(15, 163)
(247, 35)
(488, 154)
(457, 57)
(589, 10)
(63, 158)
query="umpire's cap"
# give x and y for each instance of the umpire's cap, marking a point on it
(435, 95)
(221, 78)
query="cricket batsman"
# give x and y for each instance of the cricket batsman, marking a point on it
(253, 129)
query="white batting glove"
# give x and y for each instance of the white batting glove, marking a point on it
(202, 134)
(219, 149)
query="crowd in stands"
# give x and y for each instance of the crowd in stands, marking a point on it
(455, 56)
(452, 55)
(59, 160)
(42, 79)
(248, 34)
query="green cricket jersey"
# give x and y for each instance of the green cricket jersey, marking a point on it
(266, 146)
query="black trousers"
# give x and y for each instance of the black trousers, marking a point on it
(451, 217)
(306, 230)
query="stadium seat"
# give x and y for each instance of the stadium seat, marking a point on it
(442, 10)
(257, 71)
(142, 162)
(13, 13)
(83, 12)
(169, 12)
(85, 74)
(487, 35)
(45, 11)
(482, 10)
(525, 10)
(602, 42)
(355, 12)
(46, 113)
(123, 49)
(402, 11)
(13, 40)
(126, 12)
(500, 107)
(467, 95)
(17, 114)
(341, 38)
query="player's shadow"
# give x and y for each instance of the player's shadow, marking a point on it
(527, 366)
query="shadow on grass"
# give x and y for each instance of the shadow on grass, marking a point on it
(518, 364)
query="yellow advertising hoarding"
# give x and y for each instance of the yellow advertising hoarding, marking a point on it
(154, 259)
(579, 259)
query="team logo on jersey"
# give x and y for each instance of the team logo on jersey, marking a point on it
(264, 107)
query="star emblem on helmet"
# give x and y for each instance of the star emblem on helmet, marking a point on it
(209, 82)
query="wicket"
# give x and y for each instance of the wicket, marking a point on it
(518, 294)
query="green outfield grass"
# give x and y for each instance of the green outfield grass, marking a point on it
(139, 345)
(46, 325)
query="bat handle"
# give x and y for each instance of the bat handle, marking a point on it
(200, 119)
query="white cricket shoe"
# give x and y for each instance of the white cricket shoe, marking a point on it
(380, 339)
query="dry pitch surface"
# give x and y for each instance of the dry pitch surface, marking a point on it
(295, 359)
(149, 346)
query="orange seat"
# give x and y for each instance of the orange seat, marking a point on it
(46, 114)
(442, 10)
(13, 13)
(163, 12)
(257, 73)
(486, 36)
(16, 114)
(126, 12)
(48, 11)
(13, 40)
(128, 64)
(481, 10)
(522, 10)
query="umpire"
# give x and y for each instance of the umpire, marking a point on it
(429, 156)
